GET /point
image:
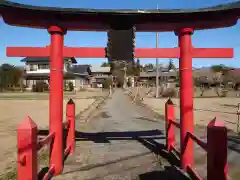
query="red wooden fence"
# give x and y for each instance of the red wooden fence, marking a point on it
(216, 145)
(29, 144)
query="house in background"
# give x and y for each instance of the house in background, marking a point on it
(82, 76)
(99, 75)
(38, 69)
(165, 75)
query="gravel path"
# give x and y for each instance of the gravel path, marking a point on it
(200, 156)
(118, 143)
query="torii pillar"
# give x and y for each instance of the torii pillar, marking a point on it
(186, 95)
(56, 96)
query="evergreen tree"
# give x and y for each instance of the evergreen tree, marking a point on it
(138, 67)
(9, 75)
(171, 65)
(148, 67)
(105, 64)
(120, 48)
(221, 68)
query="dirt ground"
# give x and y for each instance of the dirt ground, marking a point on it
(205, 109)
(15, 107)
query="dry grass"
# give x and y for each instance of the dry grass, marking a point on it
(11, 172)
(16, 106)
(205, 109)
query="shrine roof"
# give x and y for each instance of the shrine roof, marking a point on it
(101, 20)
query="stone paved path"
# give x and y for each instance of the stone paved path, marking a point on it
(119, 143)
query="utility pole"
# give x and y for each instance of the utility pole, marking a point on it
(125, 76)
(157, 69)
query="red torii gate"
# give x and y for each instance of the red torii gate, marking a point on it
(185, 52)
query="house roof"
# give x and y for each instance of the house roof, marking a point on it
(45, 59)
(223, 15)
(97, 68)
(80, 69)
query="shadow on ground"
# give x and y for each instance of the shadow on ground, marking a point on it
(234, 142)
(169, 173)
(147, 139)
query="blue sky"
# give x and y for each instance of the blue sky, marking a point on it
(225, 37)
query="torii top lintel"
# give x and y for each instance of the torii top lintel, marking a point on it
(101, 20)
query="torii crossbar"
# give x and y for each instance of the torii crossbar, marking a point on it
(99, 52)
(185, 52)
